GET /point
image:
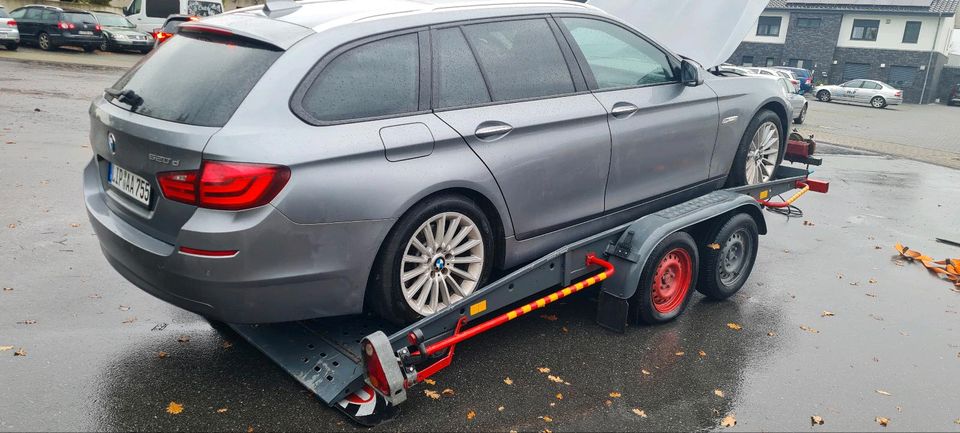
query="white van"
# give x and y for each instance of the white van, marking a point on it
(149, 15)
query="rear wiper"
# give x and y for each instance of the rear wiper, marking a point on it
(128, 97)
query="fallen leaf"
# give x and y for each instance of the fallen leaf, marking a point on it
(546, 418)
(839, 276)
(647, 373)
(222, 410)
(559, 396)
(855, 283)
(728, 421)
(95, 296)
(174, 408)
(714, 246)
(5, 348)
(816, 420)
(608, 403)
(808, 223)
(249, 429)
(702, 354)
(882, 421)
(640, 413)
(771, 334)
(124, 308)
(430, 381)
(130, 320)
(877, 247)
(74, 225)
(564, 330)
(956, 421)
(882, 392)
(183, 339)
(227, 344)
(500, 409)
(899, 409)
(27, 322)
(872, 295)
(734, 326)
(679, 353)
(809, 329)
(718, 393)
(8, 289)
(161, 354)
(550, 317)
(471, 415)
(872, 281)
(432, 394)
(827, 314)
(508, 381)
(557, 379)
(543, 369)
(20, 352)
(615, 394)
(11, 226)
(447, 392)
(876, 317)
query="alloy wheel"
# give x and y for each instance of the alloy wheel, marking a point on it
(44, 41)
(103, 44)
(877, 102)
(763, 154)
(441, 263)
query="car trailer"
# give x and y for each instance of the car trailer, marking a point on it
(364, 366)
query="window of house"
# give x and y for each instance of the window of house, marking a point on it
(769, 26)
(865, 30)
(618, 57)
(808, 23)
(747, 61)
(771, 61)
(911, 33)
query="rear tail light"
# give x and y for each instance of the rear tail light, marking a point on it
(66, 26)
(225, 185)
(162, 36)
(809, 80)
(898, 94)
(12, 23)
(98, 28)
(208, 253)
(375, 374)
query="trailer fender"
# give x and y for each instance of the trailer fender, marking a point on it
(631, 251)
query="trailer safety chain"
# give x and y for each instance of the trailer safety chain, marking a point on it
(459, 336)
(949, 268)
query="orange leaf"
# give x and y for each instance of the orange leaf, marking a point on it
(174, 408)
(734, 326)
(430, 381)
(222, 410)
(816, 420)
(882, 421)
(615, 394)
(432, 394)
(508, 381)
(639, 412)
(728, 421)
(471, 415)
(718, 393)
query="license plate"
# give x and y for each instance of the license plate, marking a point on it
(84, 32)
(130, 184)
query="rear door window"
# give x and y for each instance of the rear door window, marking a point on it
(197, 79)
(32, 14)
(380, 78)
(48, 16)
(162, 8)
(520, 59)
(459, 81)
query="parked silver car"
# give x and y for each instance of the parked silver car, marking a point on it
(395, 154)
(797, 101)
(9, 32)
(876, 93)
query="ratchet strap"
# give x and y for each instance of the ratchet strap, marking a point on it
(949, 268)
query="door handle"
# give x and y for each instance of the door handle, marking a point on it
(622, 110)
(492, 130)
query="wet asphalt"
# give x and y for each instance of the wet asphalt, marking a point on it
(92, 340)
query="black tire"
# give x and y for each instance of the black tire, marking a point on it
(738, 239)
(105, 45)
(652, 309)
(803, 115)
(89, 48)
(385, 294)
(44, 42)
(738, 174)
(824, 96)
(878, 102)
(145, 51)
(13, 46)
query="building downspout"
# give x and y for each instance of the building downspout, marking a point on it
(926, 75)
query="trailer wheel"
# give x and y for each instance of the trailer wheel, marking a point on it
(728, 263)
(668, 279)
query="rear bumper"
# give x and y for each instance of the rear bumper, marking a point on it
(894, 101)
(131, 45)
(283, 271)
(9, 36)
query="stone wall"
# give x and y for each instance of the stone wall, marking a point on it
(888, 58)
(814, 45)
(760, 52)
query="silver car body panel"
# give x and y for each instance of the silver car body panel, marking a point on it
(8, 33)
(861, 95)
(557, 176)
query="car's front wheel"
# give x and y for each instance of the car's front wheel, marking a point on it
(439, 252)
(104, 44)
(824, 96)
(760, 152)
(878, 102)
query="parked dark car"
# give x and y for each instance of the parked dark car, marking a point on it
(119, 34)
(170, 27)
(9, 34)
(50, 27)
(805, 77)
(954, 95)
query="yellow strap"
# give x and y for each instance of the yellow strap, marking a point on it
(949, 268)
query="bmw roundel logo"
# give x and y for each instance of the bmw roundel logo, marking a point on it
(439, 264)
(112, 142)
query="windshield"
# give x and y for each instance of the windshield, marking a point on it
(79, 18)
(109, 20)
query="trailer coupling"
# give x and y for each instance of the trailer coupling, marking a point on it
(391, 374)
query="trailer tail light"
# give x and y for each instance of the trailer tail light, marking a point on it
(225, 185)
(375, 374)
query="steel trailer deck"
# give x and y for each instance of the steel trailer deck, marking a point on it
(326, 355)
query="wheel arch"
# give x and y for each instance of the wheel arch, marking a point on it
(781, 111)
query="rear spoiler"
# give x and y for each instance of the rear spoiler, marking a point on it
(252, 28)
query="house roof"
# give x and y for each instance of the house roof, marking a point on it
(936, 7)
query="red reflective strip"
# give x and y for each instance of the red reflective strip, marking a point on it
(208, 253)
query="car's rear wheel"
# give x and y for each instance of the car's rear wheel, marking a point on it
(759, 154)
(43, 40)
(440, 252)
(878, 102)
(803, 115)
(823, 96)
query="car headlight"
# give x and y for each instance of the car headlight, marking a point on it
(119, 37)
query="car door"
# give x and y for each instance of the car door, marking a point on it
(28, 23)
(848, 90)
(516, 96)
(663, 133)
(867, 91)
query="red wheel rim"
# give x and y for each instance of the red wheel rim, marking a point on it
(671, 282)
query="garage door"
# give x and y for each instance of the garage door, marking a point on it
(853, 71)
(902, 76)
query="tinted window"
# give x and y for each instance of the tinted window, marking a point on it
(854, 83)
(747, 61)
(769, 26)
(110, 20)
(33, 14)
(808, 23)
(3, 13)
(911, 33)
(133, 8)
(618, 57)
(203, 91)
(380, 78)
(48, 16)
(459, 81)
(162, 8)
(865, 30)
(79, 18)
(520, 59)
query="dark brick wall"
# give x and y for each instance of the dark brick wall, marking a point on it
(875, 58)
(948, 77)
(760, 51)
(816, 45)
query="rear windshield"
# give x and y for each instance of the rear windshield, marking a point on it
(172, 25)
(79, 18)
(3, 14)
(197, 79)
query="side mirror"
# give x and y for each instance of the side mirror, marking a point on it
(690, 74)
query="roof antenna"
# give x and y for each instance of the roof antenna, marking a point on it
(279, 8)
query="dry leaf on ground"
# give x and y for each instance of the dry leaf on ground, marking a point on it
(227, 344)
(615, 394)
(130, 320)
(20, 352)
(174, 408)
(647, 373)
(27, 322)
(429, 381)
(679, 353)
(564, 330)
(559, 396)
(5, 348)
(728, 421)
(432, 394)
(718, 393)
(639, 412)
(702, 354)
(557, 379)
(74, 225)
(882, 392)
(809, 329)
(827, 314)
(161, 354)
(508, 381)
(714, 246)
(882, 421)
(771, 334)
(222, 410)
(543, 369)
(447, 392)
(471, 415)
(500, 409)
(734, 326)
(546, 418)
(872, 295)
(808, 223)
(123, 308)
(183, 339)
(816, 420)
(8, 289)
(872, 281)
